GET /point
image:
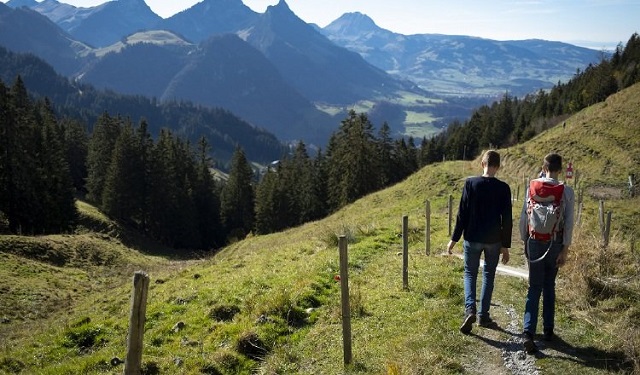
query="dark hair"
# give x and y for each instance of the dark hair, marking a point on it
(491, 158)
(553, 162)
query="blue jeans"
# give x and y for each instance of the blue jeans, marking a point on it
(542, 280)
(472, 252)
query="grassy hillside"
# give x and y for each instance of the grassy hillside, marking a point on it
(271, 304)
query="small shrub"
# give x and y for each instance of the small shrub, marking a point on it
(210, 369)
(224, 313)
(83, 337)
(283, 305)
(11, 365)
(356, 302)
(150, 368)
(250, 345)
(331, 237)
(310, 300)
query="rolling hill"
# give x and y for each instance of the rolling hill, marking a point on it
(271, 304)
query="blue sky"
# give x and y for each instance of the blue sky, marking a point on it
(595, 24)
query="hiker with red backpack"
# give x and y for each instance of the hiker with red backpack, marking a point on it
(546, 227)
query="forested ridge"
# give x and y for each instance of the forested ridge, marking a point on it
(163, 187)
(85, 103)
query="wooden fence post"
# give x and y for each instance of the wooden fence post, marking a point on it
(607, 230)
(133, 362)
(346, 309)
(450, 212)
(579, 218)
(427, 229)
(405, 252)
(601, 216)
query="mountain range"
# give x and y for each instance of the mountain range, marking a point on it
(461, 65)
(276, 71)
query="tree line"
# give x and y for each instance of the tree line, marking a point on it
(164, 186)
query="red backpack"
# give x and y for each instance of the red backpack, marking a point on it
(544, 210)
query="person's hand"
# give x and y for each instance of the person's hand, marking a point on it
(562, 257)
(450, 246)
(505, 254)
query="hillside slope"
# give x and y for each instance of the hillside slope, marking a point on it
(271, 304)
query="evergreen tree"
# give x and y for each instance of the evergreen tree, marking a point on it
(237, 198)
(53, 182)
(173, 218)
(35, 183)
(352, 161)
(103, 140)
(23, 142)
(144, 147)
(385, 149)
(76, 140)
(6, 137)
(320, 183)
(119, 198)
(301, 189)
(186, 232)
(163, 189)
(207, 201)
(268, 203)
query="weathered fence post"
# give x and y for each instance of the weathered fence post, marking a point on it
(632, 185)
(607, 230)
(450, 212)
(580, 195)
(579, 218)
(405, 252)
(133, 362)
(346, 309)
(601, 215)
(605, 226)
(427, 229)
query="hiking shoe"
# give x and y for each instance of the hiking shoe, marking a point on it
(528, 344)
(548, 335)
(487, 323)
(469, 319)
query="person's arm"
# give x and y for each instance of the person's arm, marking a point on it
(463, 214)
(567, 231)
(506, 218)
(507, 225)
(562, 257)
(505, 255)
(523, 226)
(568, 219)
(450, 246)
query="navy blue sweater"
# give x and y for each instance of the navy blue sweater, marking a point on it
(484, 214)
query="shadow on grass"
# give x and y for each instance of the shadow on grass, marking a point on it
(132, 237)
(589, 356)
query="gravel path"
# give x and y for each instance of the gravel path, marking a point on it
(514, 357)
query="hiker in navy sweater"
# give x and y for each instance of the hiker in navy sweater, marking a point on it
(484, 217)
(546, 228)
